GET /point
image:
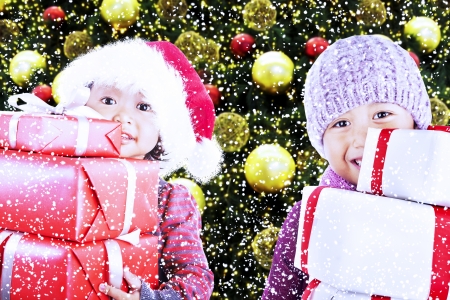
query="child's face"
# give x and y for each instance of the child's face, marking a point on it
(345, 137)
(139, 129)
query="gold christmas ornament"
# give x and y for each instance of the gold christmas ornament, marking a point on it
(192, 45)
(8, 31)
(3, 4)
(264, 246)
(55, 85)
(273, 72)
(211, 51)
(194, 189)
(425, 31)
(172, 9)
(24, 65)
(269, 168)
(121, 14)
(371, 12)
(259, 15)
(439, 111)
(231, 131)
(77, 43)
(383, 37)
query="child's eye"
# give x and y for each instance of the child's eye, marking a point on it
(144, 107)
(108, 101)
(341, 124)
(381, 115)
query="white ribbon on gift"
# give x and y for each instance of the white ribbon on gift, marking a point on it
(13, 127)
(76, 107)
(115, 261)
(112, 247)
(8, 260)
(131, 195)
(114, 254)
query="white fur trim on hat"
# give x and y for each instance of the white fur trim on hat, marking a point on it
(202, 163)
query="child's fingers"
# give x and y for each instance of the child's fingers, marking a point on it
(134, 283)
(118, 294)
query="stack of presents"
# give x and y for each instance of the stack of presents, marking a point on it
(390, 239)
(72, 214)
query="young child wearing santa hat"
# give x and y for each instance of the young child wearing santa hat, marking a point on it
(356, 83)
(166, 115)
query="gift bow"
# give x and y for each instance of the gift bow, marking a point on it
(75, 107)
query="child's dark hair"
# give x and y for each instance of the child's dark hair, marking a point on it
(156, 152)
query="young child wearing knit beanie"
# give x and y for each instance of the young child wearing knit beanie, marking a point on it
(356, 83)
(166, 115)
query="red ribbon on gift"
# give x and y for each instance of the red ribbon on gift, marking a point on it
(313, 284)
(378, 162)
(440, 277)
(439, 128)
(376, 297)
(311, 205)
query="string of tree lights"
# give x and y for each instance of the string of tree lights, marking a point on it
(253, 56)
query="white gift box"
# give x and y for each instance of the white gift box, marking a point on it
(407, 164)
(322, 291)
(374, 245)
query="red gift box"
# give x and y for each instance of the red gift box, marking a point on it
(47, 268)
(60, 135)
(77, 199)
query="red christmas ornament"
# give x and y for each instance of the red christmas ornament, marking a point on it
(415, 57)
(214, 93)
(242, 44)
(54, 14)
(43, 91)
(315, 46)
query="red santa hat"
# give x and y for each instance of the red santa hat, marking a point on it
(164, 76)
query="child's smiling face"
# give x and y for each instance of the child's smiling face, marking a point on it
(345, 137)
(140, 132)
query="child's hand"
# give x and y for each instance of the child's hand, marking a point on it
(134, 284)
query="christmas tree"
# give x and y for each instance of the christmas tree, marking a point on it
(253, 56)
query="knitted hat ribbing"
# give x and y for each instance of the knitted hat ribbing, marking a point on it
(164, 76)
(359, 70)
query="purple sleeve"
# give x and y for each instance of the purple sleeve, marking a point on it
(286, 281)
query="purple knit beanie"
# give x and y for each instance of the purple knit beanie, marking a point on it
(359, 70)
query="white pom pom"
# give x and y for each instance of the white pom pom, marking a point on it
(204, 162)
